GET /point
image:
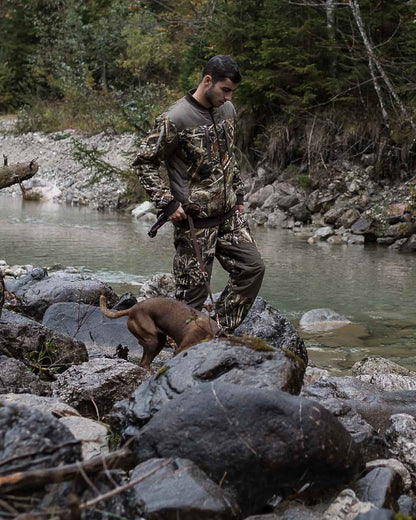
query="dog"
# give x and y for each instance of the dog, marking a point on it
(152, 320)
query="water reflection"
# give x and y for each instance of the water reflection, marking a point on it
(373, 287)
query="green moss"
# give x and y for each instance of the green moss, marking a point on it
(161, 371)
(291, 355)
(251, 342)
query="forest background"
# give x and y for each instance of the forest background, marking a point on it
(322, 79)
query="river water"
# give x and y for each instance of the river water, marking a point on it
(371, 286)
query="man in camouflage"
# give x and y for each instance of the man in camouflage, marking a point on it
(194, 140)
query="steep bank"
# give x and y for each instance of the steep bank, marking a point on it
(340, 201)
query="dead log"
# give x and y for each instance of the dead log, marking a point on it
(121, 459)
(17, 173)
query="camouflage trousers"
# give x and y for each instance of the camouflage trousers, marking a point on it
(232, 244)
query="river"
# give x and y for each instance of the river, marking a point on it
(372, 286)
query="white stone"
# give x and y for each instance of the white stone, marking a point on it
(92, 434)
(143, 208)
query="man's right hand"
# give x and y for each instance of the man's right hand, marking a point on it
(178, 214)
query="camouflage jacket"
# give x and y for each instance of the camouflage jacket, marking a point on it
(195, 146)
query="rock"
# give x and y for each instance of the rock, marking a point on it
(37, 343)
(324, 232)
(265, 322)
(24, 431)
(143, 208)
(162, 284)
(347, 507)
(16, 377)
(317, 200)
(335, 240)
(255, 441)
(300, 212)
(87, 323)
(13, 317)
(348, 218)
(177, 488)
(389, 382)
(373, 405)
(332, 215)
(36, 296)
(394, 465)
(92, 434)
(408, 245)
(277, 219)
(93, 387)
(376, 514)
(258, 198)
(401, 439)
(258, 217)
(287, 201)
(381, 486)
(407, 506)
(394, 212)
(50, 405)
(216, 360)
(354, 239)
(379, 365)
(321, 320)
(362, 226)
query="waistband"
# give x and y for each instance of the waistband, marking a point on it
(204, 222)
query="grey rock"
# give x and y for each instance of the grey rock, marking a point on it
(257, 199)
(390, 382)
(401, 439)
(396, 466)
(320, 316)
(276, 219)
(16, 377)
(379, 365)
(93, 387)
(35, 296)
(161, 284)
(377, 514)
(45, 404)
(34, 341)
(265, 322)
(92, 434)
(216, 360)
(317, 200)
(324, 232)
(87, 323)
(348, 218)
(332, 215)
(347, 507)
(407, 505)
(177, 488)
(24, 431)
(362, 226)
(409, 245)
(14, 317)
(287, 201)
(256, 441)
(300, 212)
(381, 486)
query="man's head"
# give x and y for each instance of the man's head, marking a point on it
(220, 78)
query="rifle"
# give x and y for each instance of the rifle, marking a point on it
(191, 209)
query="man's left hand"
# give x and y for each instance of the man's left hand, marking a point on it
(240, 208)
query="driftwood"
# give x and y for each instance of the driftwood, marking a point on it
(17, 173)
(120, 459)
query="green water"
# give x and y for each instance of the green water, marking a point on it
(372, 286)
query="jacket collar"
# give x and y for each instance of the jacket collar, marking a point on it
(189, 97)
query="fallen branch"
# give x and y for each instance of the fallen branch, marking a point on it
(120, 459)
(17, 173)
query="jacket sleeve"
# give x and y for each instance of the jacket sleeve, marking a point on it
(238, 184)
(153, 150)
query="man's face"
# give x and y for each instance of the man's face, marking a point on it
(216, 94)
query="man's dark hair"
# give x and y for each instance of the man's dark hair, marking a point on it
(222, 67)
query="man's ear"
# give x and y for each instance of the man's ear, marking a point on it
(207, 81)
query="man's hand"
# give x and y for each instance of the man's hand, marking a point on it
(178, 214)
(240, 208)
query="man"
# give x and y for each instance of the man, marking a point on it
(194, 139)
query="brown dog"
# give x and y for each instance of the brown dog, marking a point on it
(153, 319)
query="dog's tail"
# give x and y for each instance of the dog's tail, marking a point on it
(111, 314)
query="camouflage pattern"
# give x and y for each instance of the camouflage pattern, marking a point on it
(199, 159)
(231, 243)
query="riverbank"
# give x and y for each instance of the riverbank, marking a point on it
(341, 203)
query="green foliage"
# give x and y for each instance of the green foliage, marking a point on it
(45, 360)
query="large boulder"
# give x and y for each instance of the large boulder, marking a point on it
(254, 441)
(265, 322)
(35, 438)
(88, 324)
(322, 319)
(216, 360)
(16, 377)
(36, 295)
(38, 344)
(93, 387)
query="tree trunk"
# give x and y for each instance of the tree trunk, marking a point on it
(10, 175)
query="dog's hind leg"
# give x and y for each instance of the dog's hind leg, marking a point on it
(151, 348)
